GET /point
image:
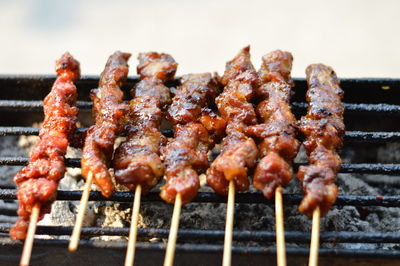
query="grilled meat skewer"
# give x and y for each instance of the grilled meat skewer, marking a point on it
(324, 129)
(108, 111)
(239, 152)
(229, 171)
(186, 155)
(137, 160)
(38, 181)
(279, 145)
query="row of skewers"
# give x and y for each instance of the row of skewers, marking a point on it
(267, 132)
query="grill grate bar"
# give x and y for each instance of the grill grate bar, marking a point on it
(194, 240)
(361, 168)
(204, 197)
(351, 136)
(207, 248)
(18, 131)
(17, 105)
(190, 234)
(370, 137)
(379, 109)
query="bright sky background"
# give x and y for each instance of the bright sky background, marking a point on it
(357, 38)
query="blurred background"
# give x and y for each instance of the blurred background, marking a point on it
(357, 38)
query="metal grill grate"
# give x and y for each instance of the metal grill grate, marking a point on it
(383, 105)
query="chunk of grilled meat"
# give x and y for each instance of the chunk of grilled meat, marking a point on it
(186, 154)
(214, 124)
(239, 152)
(196, 92)
(108, 111)
(324, 129)
(38, 181)
(279, 145)
(185, 157)
(156, 65)
(137, 160)
(239, 64)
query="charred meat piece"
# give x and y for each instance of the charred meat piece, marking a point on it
(214, 124)
(137, 160)
(323, 128)
(108, 111)
(38, 181)
(196, 92)
(186, 155)
(278, 146)
(156, 65)
(239, 152)
(239, 64)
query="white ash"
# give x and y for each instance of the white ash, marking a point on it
(9, 148)
(63, 213)
(389, 153)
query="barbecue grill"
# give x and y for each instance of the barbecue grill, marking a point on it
(371, 119)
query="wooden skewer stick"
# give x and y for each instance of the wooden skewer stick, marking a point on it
(130, 253)
(76, 233)
(173, 232)
(280, 229)
(226, 260)
(314, 248)
(26, 252)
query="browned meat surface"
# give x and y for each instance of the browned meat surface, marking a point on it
(239, 152)
(156, 65)
(237, 65)
(278, 146)
(38, 181)
(196, 92)
(108, 111)
(323, 128)
(137, 160)
(186, 155)
(214, 124)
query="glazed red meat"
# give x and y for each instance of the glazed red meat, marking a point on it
(239, 152)
(137, 160)
(196, 92)
(38, 181)
(186, 155)
(323, 128)
(108, 111)
(277, 133)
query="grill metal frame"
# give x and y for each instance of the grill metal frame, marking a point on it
(373, 109)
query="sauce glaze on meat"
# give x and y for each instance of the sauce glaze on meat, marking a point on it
(324, 129)
(239, 152)
(38, 181)
(279, 145)
(108, 111)
(186, 155)
(137, 160)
